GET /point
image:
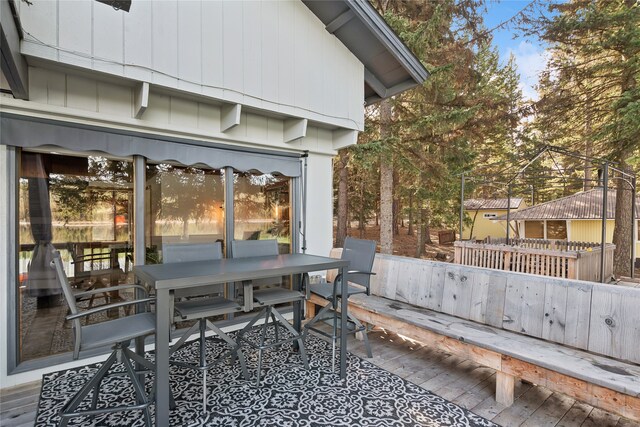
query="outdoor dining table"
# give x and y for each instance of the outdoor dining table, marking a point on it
(166, 278)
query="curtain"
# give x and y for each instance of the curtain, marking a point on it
(41, 278)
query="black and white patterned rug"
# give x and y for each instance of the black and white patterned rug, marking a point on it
(288, 395)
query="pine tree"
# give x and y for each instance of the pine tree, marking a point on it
(591, 92)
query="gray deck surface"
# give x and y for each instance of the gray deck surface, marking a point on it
(458, 380)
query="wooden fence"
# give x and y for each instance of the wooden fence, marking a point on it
(552, 244)
(570, 260)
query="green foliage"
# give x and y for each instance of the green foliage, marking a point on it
(463, 117)
(590, 88)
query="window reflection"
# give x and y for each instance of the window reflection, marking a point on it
(183, 205)
(80, 206)
(262, 208)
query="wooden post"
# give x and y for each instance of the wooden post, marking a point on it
(572, 268)
(310, 311)
(505, 388)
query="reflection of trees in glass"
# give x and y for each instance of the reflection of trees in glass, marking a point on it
(102, 190)
(262, 199)
(250, 200)
(185, 193)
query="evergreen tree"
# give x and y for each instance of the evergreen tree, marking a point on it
(591, 96)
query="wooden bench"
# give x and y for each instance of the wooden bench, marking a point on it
(577, 338)
(446, 236)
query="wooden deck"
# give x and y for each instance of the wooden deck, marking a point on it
(459, 380)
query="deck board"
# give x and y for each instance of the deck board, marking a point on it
(576, 415)
(460, 380)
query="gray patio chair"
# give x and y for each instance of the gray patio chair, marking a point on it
(208, 303)
(269, 293)
(360, 254)
(119, 333)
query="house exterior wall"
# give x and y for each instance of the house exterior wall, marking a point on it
(590, 230)
(269, 55)
(274, 58)
(486, 227)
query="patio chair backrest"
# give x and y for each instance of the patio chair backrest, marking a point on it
(63, 281)
(251, 248)
(187, 252)
(360, 254)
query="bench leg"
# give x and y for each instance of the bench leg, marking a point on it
(505, 388)
(310, 311)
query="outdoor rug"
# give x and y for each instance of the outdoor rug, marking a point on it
(288, 394)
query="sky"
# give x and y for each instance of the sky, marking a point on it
(529, 53)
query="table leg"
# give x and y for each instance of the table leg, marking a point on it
(139, 342)
(343, 323)
(163, 325)
(297, 309)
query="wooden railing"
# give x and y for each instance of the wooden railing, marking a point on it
(552, 244)
(570, 260)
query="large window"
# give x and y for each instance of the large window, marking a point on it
(534, 229)
(262, 208)
(557, 229)
(81, 206)
(182, 205)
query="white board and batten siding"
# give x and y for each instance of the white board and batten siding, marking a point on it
(113, 102)
(604, 319)
(270, 55)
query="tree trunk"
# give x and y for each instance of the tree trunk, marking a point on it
(587, 150)
(427, 224)
(343, 176)
(386, 184)
(623, 226)
(622, 237)
(396, 216)
(410, 227)
(361, 218)
(473, 224)
(185, 228)
(420, 233)
(396, 207)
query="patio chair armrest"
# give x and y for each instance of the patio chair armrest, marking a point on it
(108, 307)
(370, 273)
(111, 289)
(339, 279)
(334, 300)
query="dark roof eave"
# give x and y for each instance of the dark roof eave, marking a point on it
(362, 17)
(377, 25)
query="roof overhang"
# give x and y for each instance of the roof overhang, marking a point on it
(13, 65)
(389, 66)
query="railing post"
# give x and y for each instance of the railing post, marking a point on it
(573, 268)
(506, 263)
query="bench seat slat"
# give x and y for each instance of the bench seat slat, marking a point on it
(613, 374)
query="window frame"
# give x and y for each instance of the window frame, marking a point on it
(139, 182)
